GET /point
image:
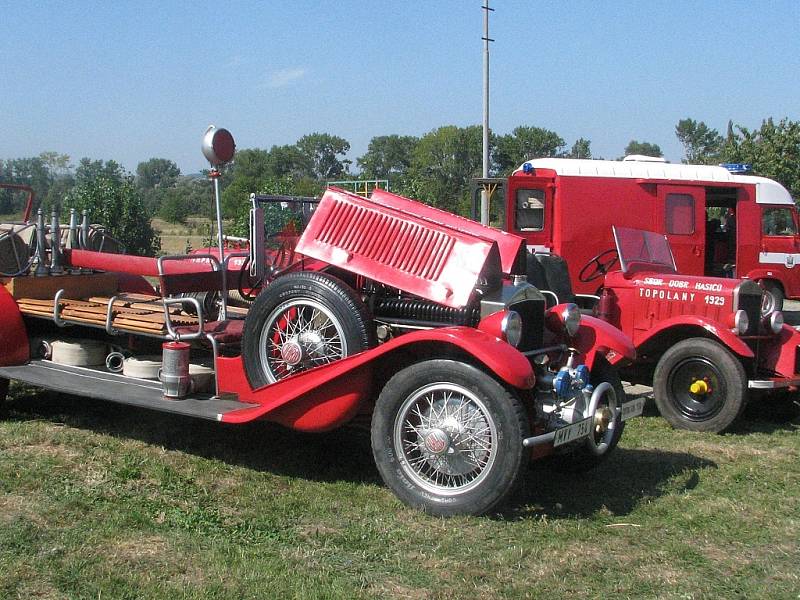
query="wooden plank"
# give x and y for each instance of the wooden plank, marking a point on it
(139, 325)
(126, 298)
(75, 286)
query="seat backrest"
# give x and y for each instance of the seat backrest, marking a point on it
(556, 276)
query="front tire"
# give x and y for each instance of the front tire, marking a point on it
(447, 438)
(699, 385)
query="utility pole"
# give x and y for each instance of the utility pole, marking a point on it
(485, 174)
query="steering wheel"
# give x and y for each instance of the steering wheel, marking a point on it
(598, 266)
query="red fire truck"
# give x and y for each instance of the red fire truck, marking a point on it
(417, 320)
(719, 223)
(701, 342)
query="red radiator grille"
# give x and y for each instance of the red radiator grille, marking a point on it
(398, 248)
(393, 242)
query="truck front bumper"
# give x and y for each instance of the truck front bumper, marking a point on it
(773, 383)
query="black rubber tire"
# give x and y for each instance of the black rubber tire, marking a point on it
(496, 408)
(342, 305)
(585, 457)
(777, 294)
(700, 359)
(4, 383)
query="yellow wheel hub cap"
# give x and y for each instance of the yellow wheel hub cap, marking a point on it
(699, 387)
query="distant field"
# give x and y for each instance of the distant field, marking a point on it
(175, 237)
(101, 501)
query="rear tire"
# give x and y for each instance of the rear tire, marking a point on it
(300, 321)
(447, 438)
(699, 385)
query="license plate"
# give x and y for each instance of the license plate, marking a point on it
(632, 408)
(573, 432)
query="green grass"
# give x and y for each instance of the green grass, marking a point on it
(103, 501)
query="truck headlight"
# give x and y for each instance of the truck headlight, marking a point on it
(741, 322)
(511, 328)
(775, 320)
(571, 316)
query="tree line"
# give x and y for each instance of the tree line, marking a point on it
(435, 168)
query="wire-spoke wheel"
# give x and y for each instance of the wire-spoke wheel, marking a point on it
(300, 334)
(447, 438)
(301, 321)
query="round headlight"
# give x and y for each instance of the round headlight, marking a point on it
(511, 327)
(776, 321)
(571, 315)
(741, 323)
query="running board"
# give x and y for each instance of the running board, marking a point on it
(143, 393)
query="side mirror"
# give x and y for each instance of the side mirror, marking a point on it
(218, 146)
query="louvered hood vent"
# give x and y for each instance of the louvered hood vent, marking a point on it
(399, 249)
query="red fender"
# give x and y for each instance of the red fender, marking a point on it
(14, 345)
(596, 336)
(328, 396)
(777, 354)
(767, 273)
(715, 328)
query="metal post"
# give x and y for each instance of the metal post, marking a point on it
(55, 246)
(215, 175)
(41, 252)
(486, 40)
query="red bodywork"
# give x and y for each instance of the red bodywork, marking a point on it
(328, 396)
(656, 306)
(577, 204)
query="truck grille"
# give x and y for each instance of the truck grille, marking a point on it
(747, 297)
(532, 313)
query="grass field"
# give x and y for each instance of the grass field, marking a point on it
(103, 501)
(176, 236)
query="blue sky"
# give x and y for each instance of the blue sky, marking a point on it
(133, 80)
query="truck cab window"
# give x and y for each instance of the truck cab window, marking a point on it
(529, 210)
(680, 214)
(777, 221)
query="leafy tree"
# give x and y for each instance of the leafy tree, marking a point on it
(580, 149)
(115, 203)
(526, 143)
(444, 162)
(643, 148)
(28, 171)
(173, 207)
(701, 144)
(89, 170)
(321, 151)
(157, 173)
(773, 150)
(57, 164)
(388, 156)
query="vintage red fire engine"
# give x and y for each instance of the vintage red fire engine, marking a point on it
(701, 342)
(719, 221)
(385, 309)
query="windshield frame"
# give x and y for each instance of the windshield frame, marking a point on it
(655, 252)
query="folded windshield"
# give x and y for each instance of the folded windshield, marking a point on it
(643, 248)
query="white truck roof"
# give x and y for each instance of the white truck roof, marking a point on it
(767, 190)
